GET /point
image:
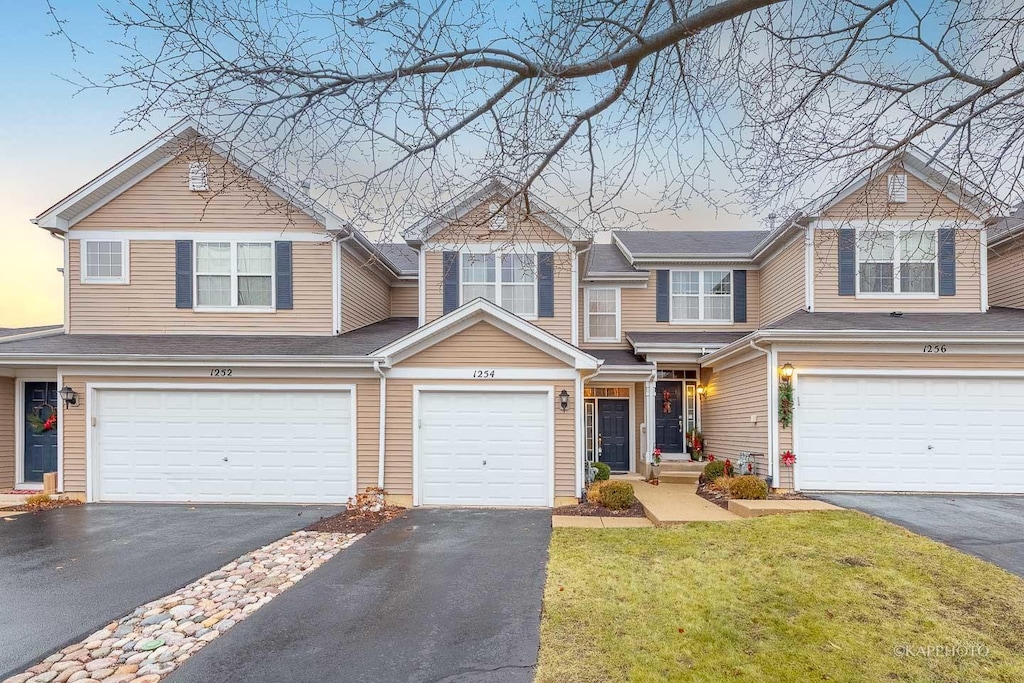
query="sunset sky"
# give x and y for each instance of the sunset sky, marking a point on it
(56, 138)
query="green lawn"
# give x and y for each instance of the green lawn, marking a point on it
(826, 596)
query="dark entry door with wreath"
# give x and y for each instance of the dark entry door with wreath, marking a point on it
(40, 430)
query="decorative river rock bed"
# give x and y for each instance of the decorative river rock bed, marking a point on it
(156, 638)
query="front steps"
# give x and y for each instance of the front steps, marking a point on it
(680, 471)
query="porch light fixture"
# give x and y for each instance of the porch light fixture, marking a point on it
(563, 400)
(69, 396)
(786, 372)
(702, 390)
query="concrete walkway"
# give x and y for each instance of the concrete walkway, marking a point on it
(678, 504)
(572, 521)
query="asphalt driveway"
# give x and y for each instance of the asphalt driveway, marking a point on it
(65, 573)
(435, 595)
(990, 527)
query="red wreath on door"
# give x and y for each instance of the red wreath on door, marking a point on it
(666, 406)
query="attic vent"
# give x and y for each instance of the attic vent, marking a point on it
(498, 221)
(198, 178)
(898, 188)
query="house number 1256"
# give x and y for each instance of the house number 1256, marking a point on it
(934, 348)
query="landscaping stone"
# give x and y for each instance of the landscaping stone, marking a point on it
(155, 638)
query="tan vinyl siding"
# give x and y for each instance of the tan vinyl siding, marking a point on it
(482, 345)
(398, 469)
(8, 416)
(1006, 275)
(405, 302)
(638, 422)
(366, 420)
(146, 306)
(923, 201)
(783, 282)
(560, 325)
(162, 201)
(733, 396)
(365, 297)
(968, 280)
(473, 228)
(639, 312)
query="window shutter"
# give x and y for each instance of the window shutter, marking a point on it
(284, 292)
(545, 284)
(739, 296)
(662, 296)
(450, 275)
(947, 261)
(183, 274)
(847, 262)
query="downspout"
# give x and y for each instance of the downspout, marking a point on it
(773, 408)
(382, 421)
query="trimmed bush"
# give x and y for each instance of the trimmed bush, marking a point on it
(594, 492)
(604, 472)
(713, 470)
(617, 495)
(37, 499)
(748, 487)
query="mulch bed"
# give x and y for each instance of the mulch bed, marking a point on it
(721, 498)
(51, 504)
(593, 510)
(355, 522)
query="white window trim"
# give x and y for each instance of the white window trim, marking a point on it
(125, 264)
(587, 336)
(234, 308)
(700, 297)
(498, 281)
(902, 296)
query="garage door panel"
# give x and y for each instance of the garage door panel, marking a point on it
(911, 434)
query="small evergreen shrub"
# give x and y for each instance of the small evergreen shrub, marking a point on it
(748, 487)
(713, 470)
(604, 472)
(617, 495)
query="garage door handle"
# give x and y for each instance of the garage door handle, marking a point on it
(930, 446)
(225, 459)
(485, 462)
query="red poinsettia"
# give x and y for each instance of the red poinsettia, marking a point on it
(657, 456)
(729, 471)
(711, 458)
(788, 459)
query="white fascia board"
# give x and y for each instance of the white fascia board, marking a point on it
(30, 335)
(146, 360)
(668, 260)
(622, 247)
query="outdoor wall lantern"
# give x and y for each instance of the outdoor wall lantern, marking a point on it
(702, 390)
(786, 372)
(563, 400)
(69, 395)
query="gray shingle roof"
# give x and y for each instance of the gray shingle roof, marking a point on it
(11, 331)
(361, 342)
(404, 258)
(690, 338)
(608, 259)
(690, 242)
(995, 320)
(618, 357)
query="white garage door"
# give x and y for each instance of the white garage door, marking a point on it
(223, 446)
(485, 448)
(910, 434)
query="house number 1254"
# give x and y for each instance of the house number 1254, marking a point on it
(483, 374)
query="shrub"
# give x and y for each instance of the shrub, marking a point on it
(37, 498)
(617, 495)
(713, 470)
(604, 472)
(748, 487)
(594, 492)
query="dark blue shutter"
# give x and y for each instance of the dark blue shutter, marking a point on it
(847, 262)
(450, 278)
(661, 296)
(284, 294)
(183, 274)
(545, 284)
(739, 296)
(947, 262)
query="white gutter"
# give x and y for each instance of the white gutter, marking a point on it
(245, 361)
(382, 422)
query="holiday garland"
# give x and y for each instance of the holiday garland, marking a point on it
(785, 404)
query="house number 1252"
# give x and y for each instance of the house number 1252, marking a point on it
(221, 372)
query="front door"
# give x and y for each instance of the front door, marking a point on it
(40, 442)
(668, 425)
(613, 433)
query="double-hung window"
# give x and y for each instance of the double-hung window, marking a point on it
(897, 262)
(602, 306)
(234, 275)
(105, 261)
(701, 295)
(509, 280)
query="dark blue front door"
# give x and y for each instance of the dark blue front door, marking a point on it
(40, 448)
(668, 425)
(613, 432)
